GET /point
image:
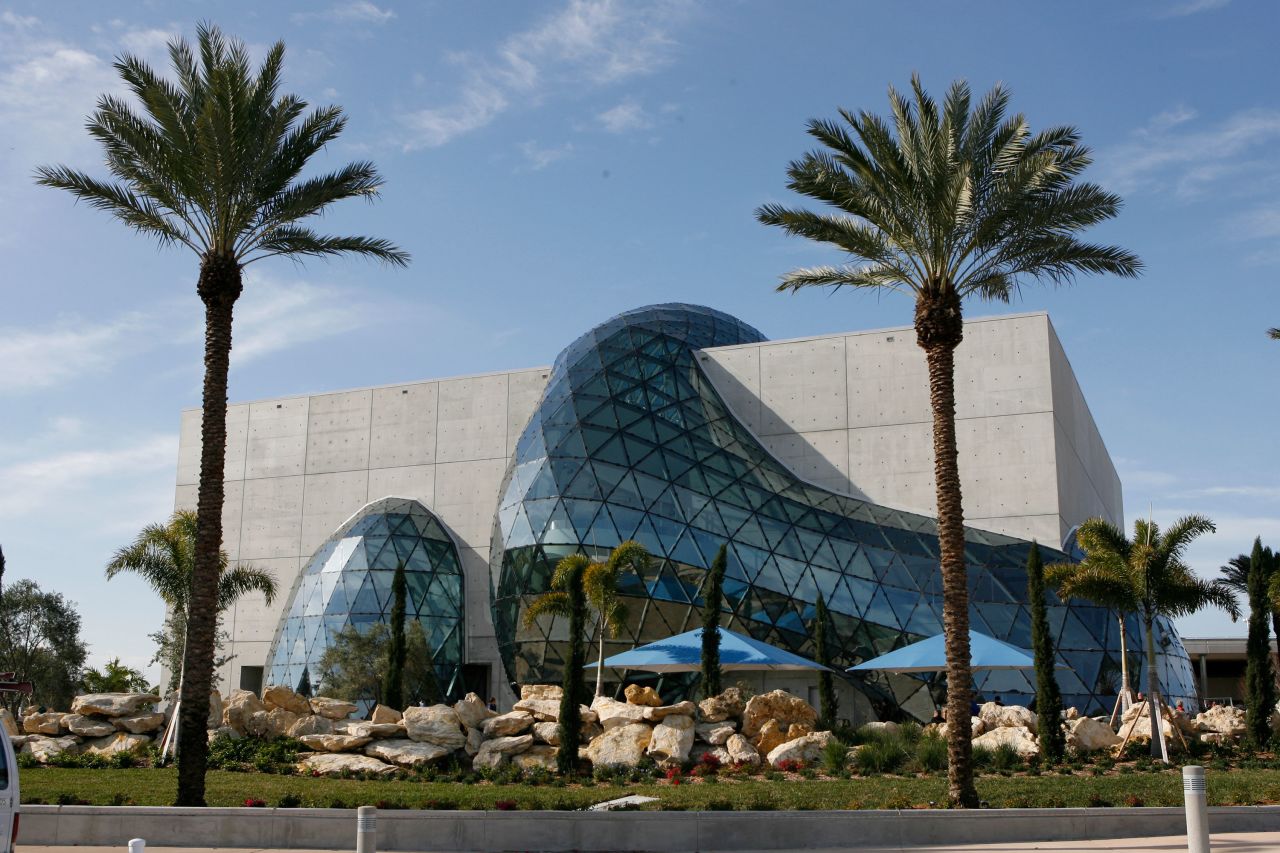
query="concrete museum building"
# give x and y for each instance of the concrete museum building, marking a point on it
(682, 428)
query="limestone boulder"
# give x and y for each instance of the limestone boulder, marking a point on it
(1072, 713)
(537, 756)
(112, 704)
(140, 724)
(1085, 735)
(776, 705)
(240, 707)
(542, 710)
(9, 724)
(541, 691)
(1139, 729)
(49, 723)
(1209, 737)
(383, 714)
(769, 736)
(807, 749)
(548, 733)
(114, 744)
(334, 743)
(359, 728)
(438, 724)
(1221, 719)
(976, 727)
(719, 753)
(726, 705)
(638, 695)
(614, 714)
(44, 749)
(280, 696)
(716, 734)
(330, 708)
(505, 725)
(497, 752)
(472, 711)
(79, 724)
(274, 723)
(1007, 716)
(880, 726)
(740, 751)
(337, 763)
(215, 711)
(671, 739)
(406, 753)
(475, 740)
(1018, 737)
(657, 713)
(313, 724)
(224, 731)
(620, 745)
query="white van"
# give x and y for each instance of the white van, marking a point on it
(9, 798)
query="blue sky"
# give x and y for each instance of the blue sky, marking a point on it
(549, 164)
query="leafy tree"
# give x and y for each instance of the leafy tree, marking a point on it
(712, 604)
(600, 583)
(213, 162)
(1259, 677)
(1234, 577)
(354, 665)
(114, 677)
(394, 691)
(1147, 576)
(1048, 697)
(567, 598)
(40, 642)
(163, 555)
(830, 709)
(946, 204)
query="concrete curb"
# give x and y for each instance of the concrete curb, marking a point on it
(656, 832)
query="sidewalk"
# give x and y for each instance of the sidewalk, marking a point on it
(1242, 842)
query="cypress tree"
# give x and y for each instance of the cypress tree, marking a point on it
(1048, 696)
(393, 688)
(1259, 680)
(712, 601)
(826, 684)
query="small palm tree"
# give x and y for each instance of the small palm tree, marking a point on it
(213, 162)
(1234, 577)
(1147, 576)
(567, 597)
(600, 581)
(947, 204)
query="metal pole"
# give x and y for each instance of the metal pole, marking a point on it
(137, 845)
(1197, 809)
(367, 830)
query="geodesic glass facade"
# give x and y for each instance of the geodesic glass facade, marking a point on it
(632, 441)
(348, 582)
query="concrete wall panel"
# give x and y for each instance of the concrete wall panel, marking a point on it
(404, 425)
(189, 444)
(523, 393)
(735, 371)
(272, 524)
(472, 419)
(338, 432)
(277, 444)
(416, 481)
(802, 386)
(819, 457)
(327, 501)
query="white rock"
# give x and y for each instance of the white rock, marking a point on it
(538, 755)
(740, 751)
(406, 753)
(1221, 719)
(716, 734)
(878, 726)
(438, 724)
(240, 707)
(333, 743)
(1085, 734)
(637, 695)
(548, 733)
(78, 724)
(776, 705)
(976, 727)
(118, 743)
(724, 706)
(505, 725)
(1018, 737)
(383, 714)
(313, 724)
(336, 763)
(48, 723)
(496, 752)
(273, 723)
(8, 723)
(279, 696)
(680, 709)
(44, 749)
(472, 711)
(475, 740)
(330, 708)
(669, 742)
(808, 749)
(622, 744)
(112, 704)
(215, 710)
(613, 714)
(543, 710)
(373, 730)
(541, 691)
(1007, 716)
(140, 724)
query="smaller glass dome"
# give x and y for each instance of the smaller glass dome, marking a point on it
(348, 582)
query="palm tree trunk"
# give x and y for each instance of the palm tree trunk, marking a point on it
(600, 659)
(1124, 663)
(1275, 629)
(939, 330)
(1153, 688)
(219, 287)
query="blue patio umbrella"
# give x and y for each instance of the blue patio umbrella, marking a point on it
(683, 653)
(931, 656)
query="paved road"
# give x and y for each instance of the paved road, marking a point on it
(1238, 842)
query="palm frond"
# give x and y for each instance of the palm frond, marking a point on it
(1274, 334)
(294, 240)
(242, 579)
(552, 603)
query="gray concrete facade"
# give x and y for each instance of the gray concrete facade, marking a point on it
(849, 412)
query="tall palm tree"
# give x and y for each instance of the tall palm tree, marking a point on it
(600, 582)
(945, 204)
(1148, 576)
(213, 162)
(1234, 577)
(567, 597)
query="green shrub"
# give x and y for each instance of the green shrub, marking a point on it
(910, 733)
(931, 752)
(834, 756)
(1005, 757)
(26, 760)
(880, 755)
(289, 801)
(981, 757)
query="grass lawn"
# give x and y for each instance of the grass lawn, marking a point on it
(145, 786)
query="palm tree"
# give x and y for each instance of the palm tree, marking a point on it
(943, 205)
(1147, 576)
(1274, 334)
(1234, 577)
(567, 597)
(600, 582)
(213, 162)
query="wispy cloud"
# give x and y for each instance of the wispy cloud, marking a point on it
(31, 359)
(1266, 492)
(540, 158)
(276, 315)
(33, 485)
(359, 12)
(1174, 151)
(588, 42)
(1191, 7)
(624, 118)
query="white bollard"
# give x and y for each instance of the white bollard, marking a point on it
(137, 845)
(1193, 794)
(367, 829)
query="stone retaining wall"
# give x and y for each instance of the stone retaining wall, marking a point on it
(329, 829)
